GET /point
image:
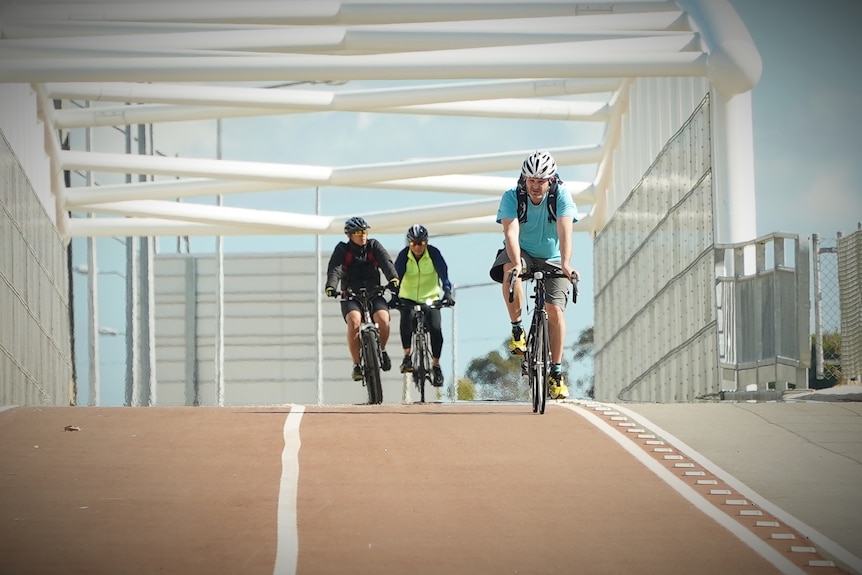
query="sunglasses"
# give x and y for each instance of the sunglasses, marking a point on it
(359, 233)
(414, 244)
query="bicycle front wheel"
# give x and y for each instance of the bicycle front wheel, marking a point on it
(538, 364)
(370, 349)
(421, 364)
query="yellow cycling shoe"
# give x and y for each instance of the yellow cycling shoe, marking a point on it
(557, 386)
(518, 345)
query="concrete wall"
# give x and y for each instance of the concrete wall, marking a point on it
(273, 312)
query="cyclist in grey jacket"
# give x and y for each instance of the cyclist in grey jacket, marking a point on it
(355, 264)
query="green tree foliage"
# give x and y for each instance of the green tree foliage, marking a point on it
(498, 376)
(831, 362)
(466, 390)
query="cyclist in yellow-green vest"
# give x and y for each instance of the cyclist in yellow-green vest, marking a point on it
(423, 275)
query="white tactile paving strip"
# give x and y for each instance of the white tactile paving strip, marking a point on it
(787, 548)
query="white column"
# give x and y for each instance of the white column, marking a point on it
(733, 177)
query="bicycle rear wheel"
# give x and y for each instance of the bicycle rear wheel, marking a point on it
(370, 350)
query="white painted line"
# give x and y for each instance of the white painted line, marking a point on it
(686, 491)
(819, 539)
(287, 548)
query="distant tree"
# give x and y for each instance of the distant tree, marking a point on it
(466, 390)
(584, 350)
(498, 376)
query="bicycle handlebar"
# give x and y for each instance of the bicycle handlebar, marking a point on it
(529, 275)
(436, 304)
(348, 293)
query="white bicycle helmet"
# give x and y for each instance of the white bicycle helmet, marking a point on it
(539, 165)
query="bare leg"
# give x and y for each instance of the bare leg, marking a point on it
(556, 331)
(353, 319)
(381, 318)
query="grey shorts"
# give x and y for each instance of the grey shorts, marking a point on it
(556, 289)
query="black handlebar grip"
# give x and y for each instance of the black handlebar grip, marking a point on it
(575, 291)
(512, 284)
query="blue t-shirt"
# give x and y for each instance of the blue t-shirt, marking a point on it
(538, 237)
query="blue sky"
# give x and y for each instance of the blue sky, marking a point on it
(808, 171)
(807, 117)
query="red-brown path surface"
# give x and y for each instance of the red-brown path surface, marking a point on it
(441, 488)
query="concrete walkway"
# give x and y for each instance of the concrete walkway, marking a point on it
(800, 457)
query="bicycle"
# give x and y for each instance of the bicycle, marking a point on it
(537, 359)
(370, 357)
(420, 346)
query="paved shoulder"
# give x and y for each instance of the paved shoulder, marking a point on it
(804, 457)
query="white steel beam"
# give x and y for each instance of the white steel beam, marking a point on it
(189, 188)
(320, 100)
(133, 227)
(359, 39)
(561, 60)
(570, 111)
(316, 12)
(296, 175)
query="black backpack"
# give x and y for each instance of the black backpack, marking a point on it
(521, 194)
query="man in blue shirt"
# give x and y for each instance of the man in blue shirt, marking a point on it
(536, 234)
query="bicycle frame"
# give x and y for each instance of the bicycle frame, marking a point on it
(420, 349)
(370, 357)
(537, 359)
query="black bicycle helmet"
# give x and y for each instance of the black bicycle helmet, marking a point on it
(417, 233)
(539, 165)
(355, 224)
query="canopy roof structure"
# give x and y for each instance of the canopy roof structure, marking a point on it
(153, 63)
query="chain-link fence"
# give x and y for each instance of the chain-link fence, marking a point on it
(837, 309)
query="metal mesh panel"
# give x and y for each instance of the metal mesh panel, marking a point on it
(762, 290)
(35, 348)
(850, 293)
(656, 331)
